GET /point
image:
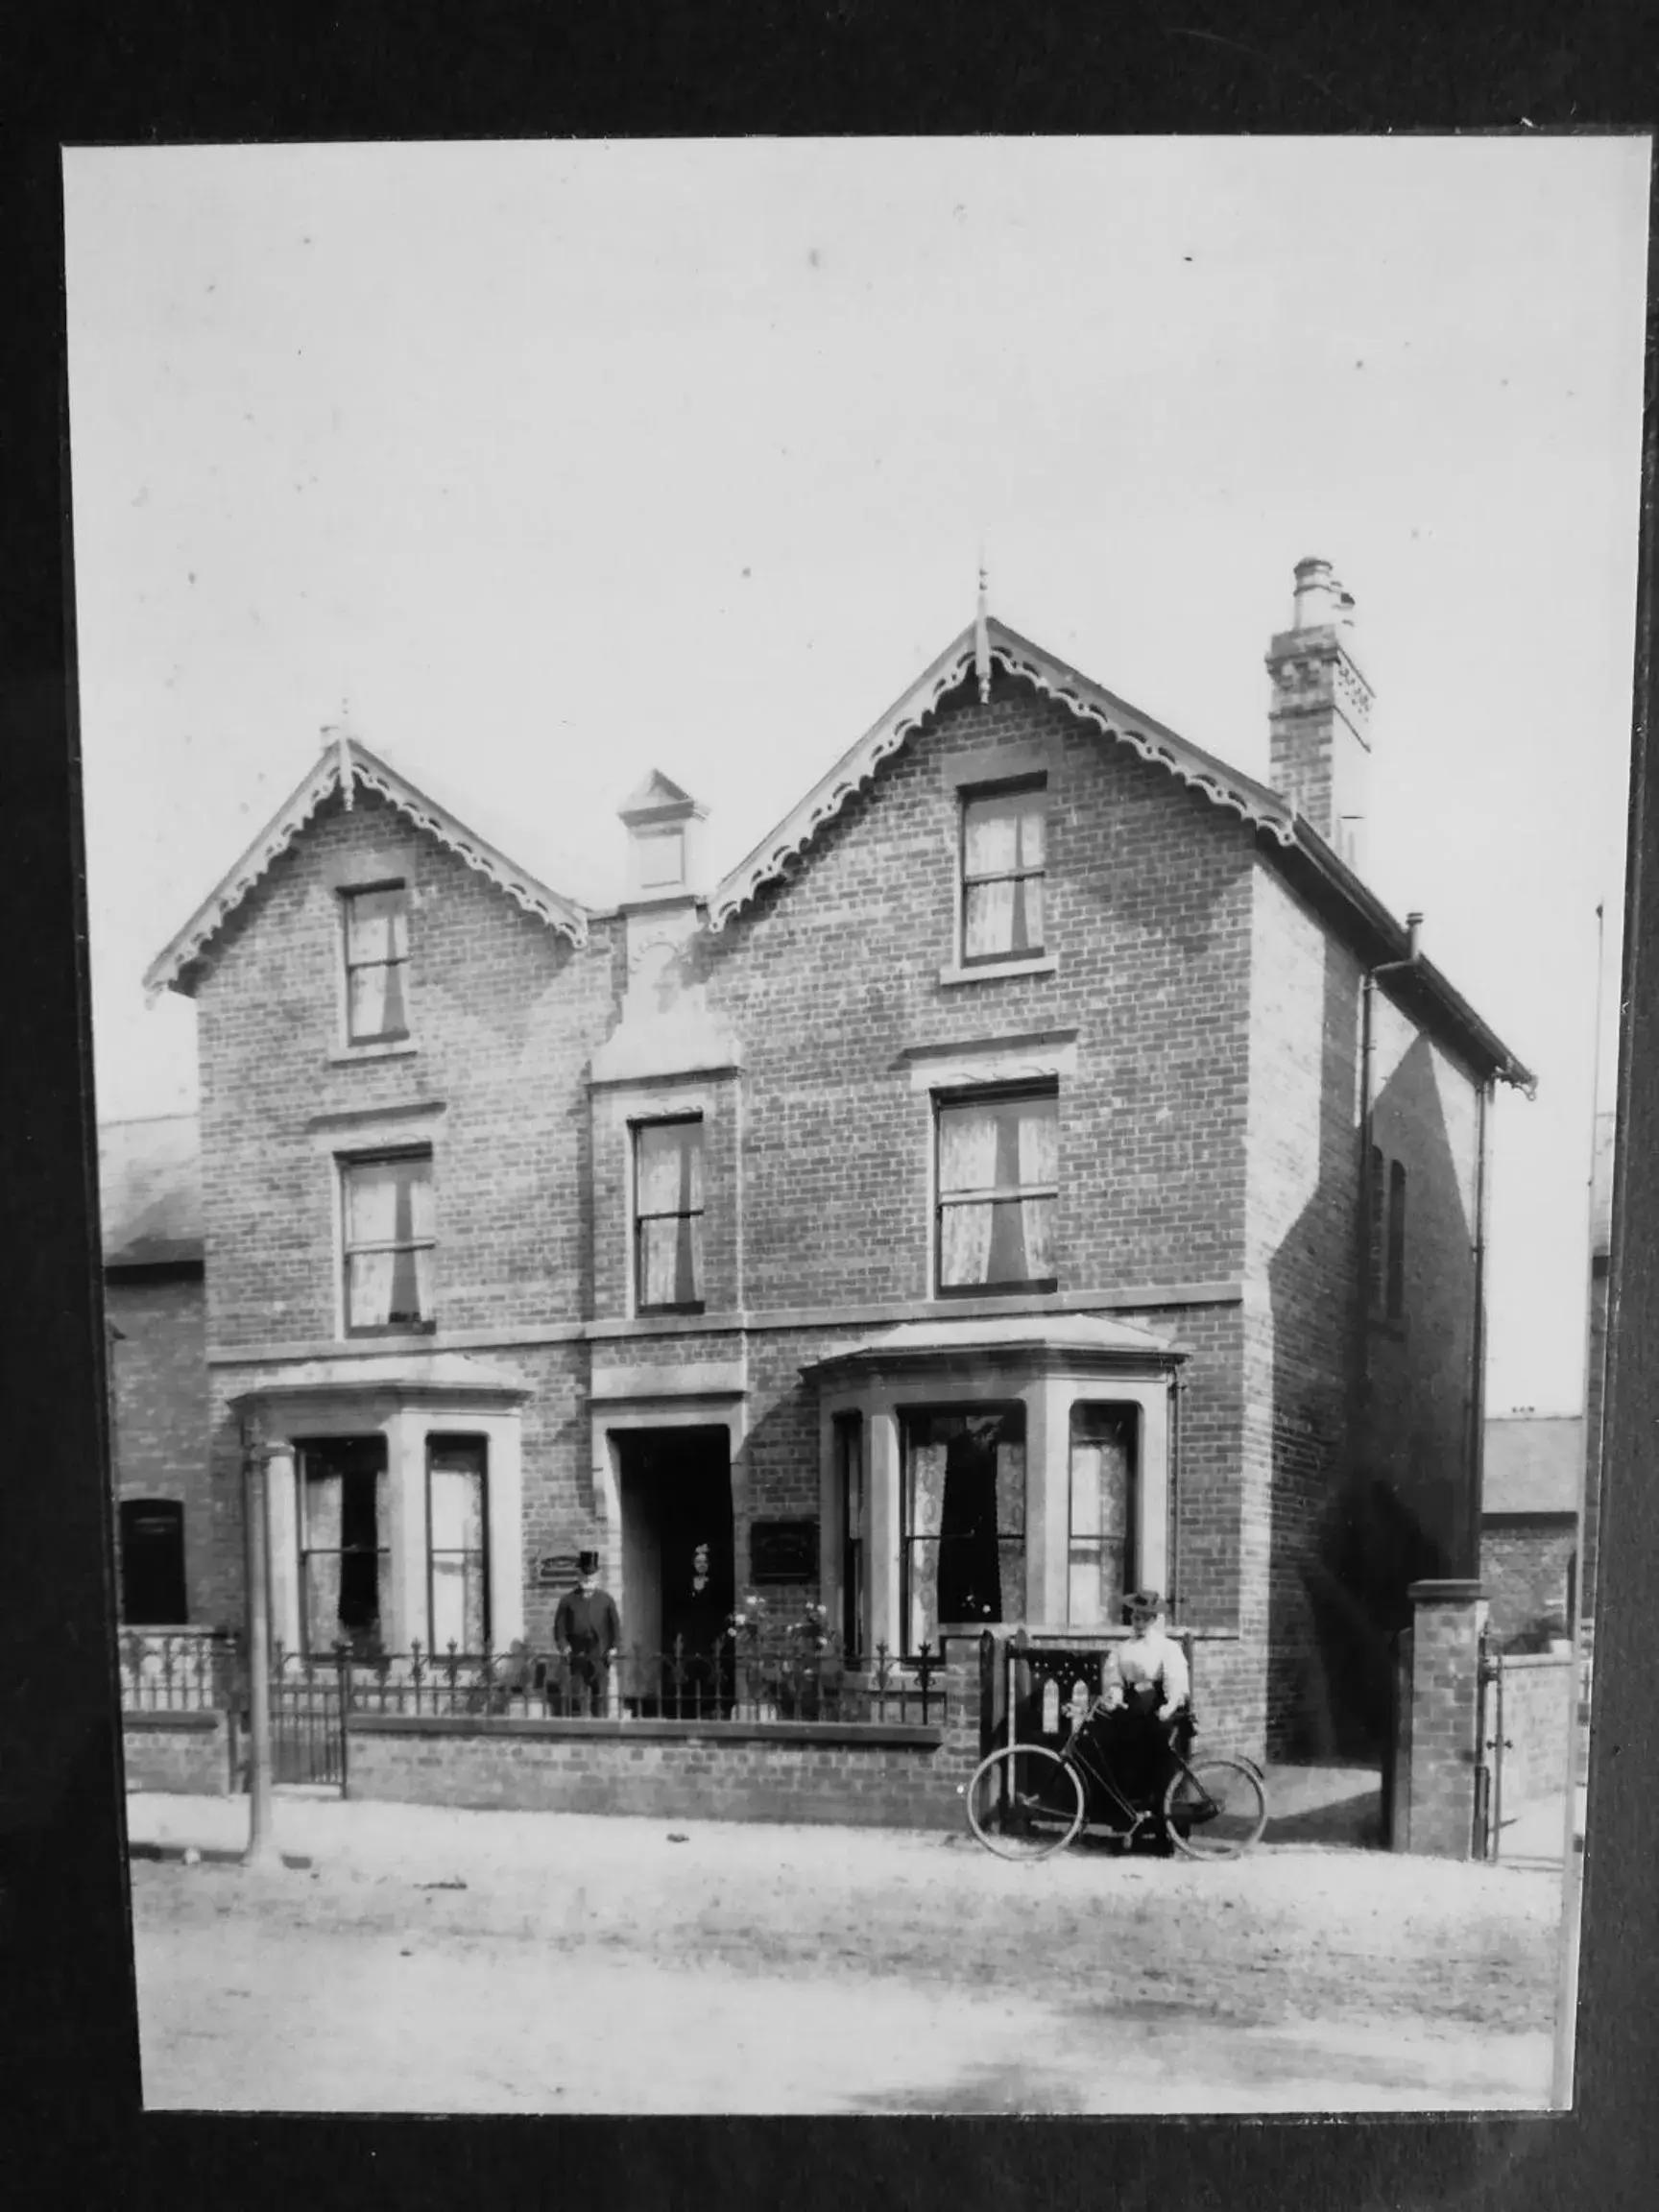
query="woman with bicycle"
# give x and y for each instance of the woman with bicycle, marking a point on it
(1145, 1702)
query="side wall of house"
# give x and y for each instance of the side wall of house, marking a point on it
(1419, 1428)
(1300, 1313)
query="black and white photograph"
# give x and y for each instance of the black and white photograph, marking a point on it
(857, 930)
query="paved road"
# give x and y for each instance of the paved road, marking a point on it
(435, 1960)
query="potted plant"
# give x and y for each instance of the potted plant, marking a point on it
(747, 1628)
(812, 1664)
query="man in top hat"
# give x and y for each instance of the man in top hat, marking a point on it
(1144, 1699)
(587, 1631)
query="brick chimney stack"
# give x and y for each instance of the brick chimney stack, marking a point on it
(1319, 724)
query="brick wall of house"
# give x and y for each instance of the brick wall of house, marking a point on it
(161, 1404)
(1524, 1566)
(1418, 1423)
(1301, 1347)
(830, 976)
(1171, 940)
(505, 1015)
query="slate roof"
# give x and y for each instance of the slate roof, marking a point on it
(150, 1192)
(1534, 1464)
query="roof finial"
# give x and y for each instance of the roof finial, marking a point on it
(342, 740)
(982, 634)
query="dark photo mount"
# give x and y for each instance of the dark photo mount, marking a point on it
(71, 2123)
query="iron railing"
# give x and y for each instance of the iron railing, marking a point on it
(177, 1670)
(728, 1681)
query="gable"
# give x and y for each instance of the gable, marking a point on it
(345, 766)
(993, 647)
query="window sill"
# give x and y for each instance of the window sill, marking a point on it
(994, 970)
(346, 1054)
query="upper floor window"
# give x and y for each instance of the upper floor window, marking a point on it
(668, 1213)
(386, 1219)
(377, 964)
(1004, 848)
(998, 1188)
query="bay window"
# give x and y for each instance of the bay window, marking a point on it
(963, 1519)
(344, 1531)
(1101, 1519)
(457, 1544)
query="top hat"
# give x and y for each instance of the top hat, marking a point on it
(586, 1562)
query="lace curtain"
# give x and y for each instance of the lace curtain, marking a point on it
(670, 1174)
(1000, 837)
(455, 1536)
(1002, 1144)
(389, 1205)
(377, 949)
(1102, 1476)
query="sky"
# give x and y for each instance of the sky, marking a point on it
(541, 465)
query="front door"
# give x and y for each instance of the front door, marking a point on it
(676, 1501)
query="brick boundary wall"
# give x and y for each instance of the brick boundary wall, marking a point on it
(180, 1753)
(1535, 1727)
(1439, 1722)
(863, 1775)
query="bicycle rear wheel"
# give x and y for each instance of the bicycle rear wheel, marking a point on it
(1024, 1802)
(1214, 1807)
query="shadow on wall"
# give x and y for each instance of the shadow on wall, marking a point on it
(1372, 1486)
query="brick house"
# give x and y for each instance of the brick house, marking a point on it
(155, 1316)
(1039, 1167)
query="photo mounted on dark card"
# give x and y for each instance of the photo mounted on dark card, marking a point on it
(856, 1058)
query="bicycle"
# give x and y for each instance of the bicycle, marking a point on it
(1026, 1801)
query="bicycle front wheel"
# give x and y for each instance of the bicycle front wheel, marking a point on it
(1214, 1807)
(1024, 1802)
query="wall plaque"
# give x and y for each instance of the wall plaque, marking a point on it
(783, 1551)
(556, 1569)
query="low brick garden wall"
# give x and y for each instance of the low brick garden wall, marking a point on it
(1535, 1727)
(186, 1753)
(865, 1774)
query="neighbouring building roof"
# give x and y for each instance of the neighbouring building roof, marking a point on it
(1534, 1464)
(343, 765)
(150, 1192)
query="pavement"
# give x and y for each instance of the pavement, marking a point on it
(1536, 1835)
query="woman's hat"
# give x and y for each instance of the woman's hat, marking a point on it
(586, 1562)
(1144, 1601)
